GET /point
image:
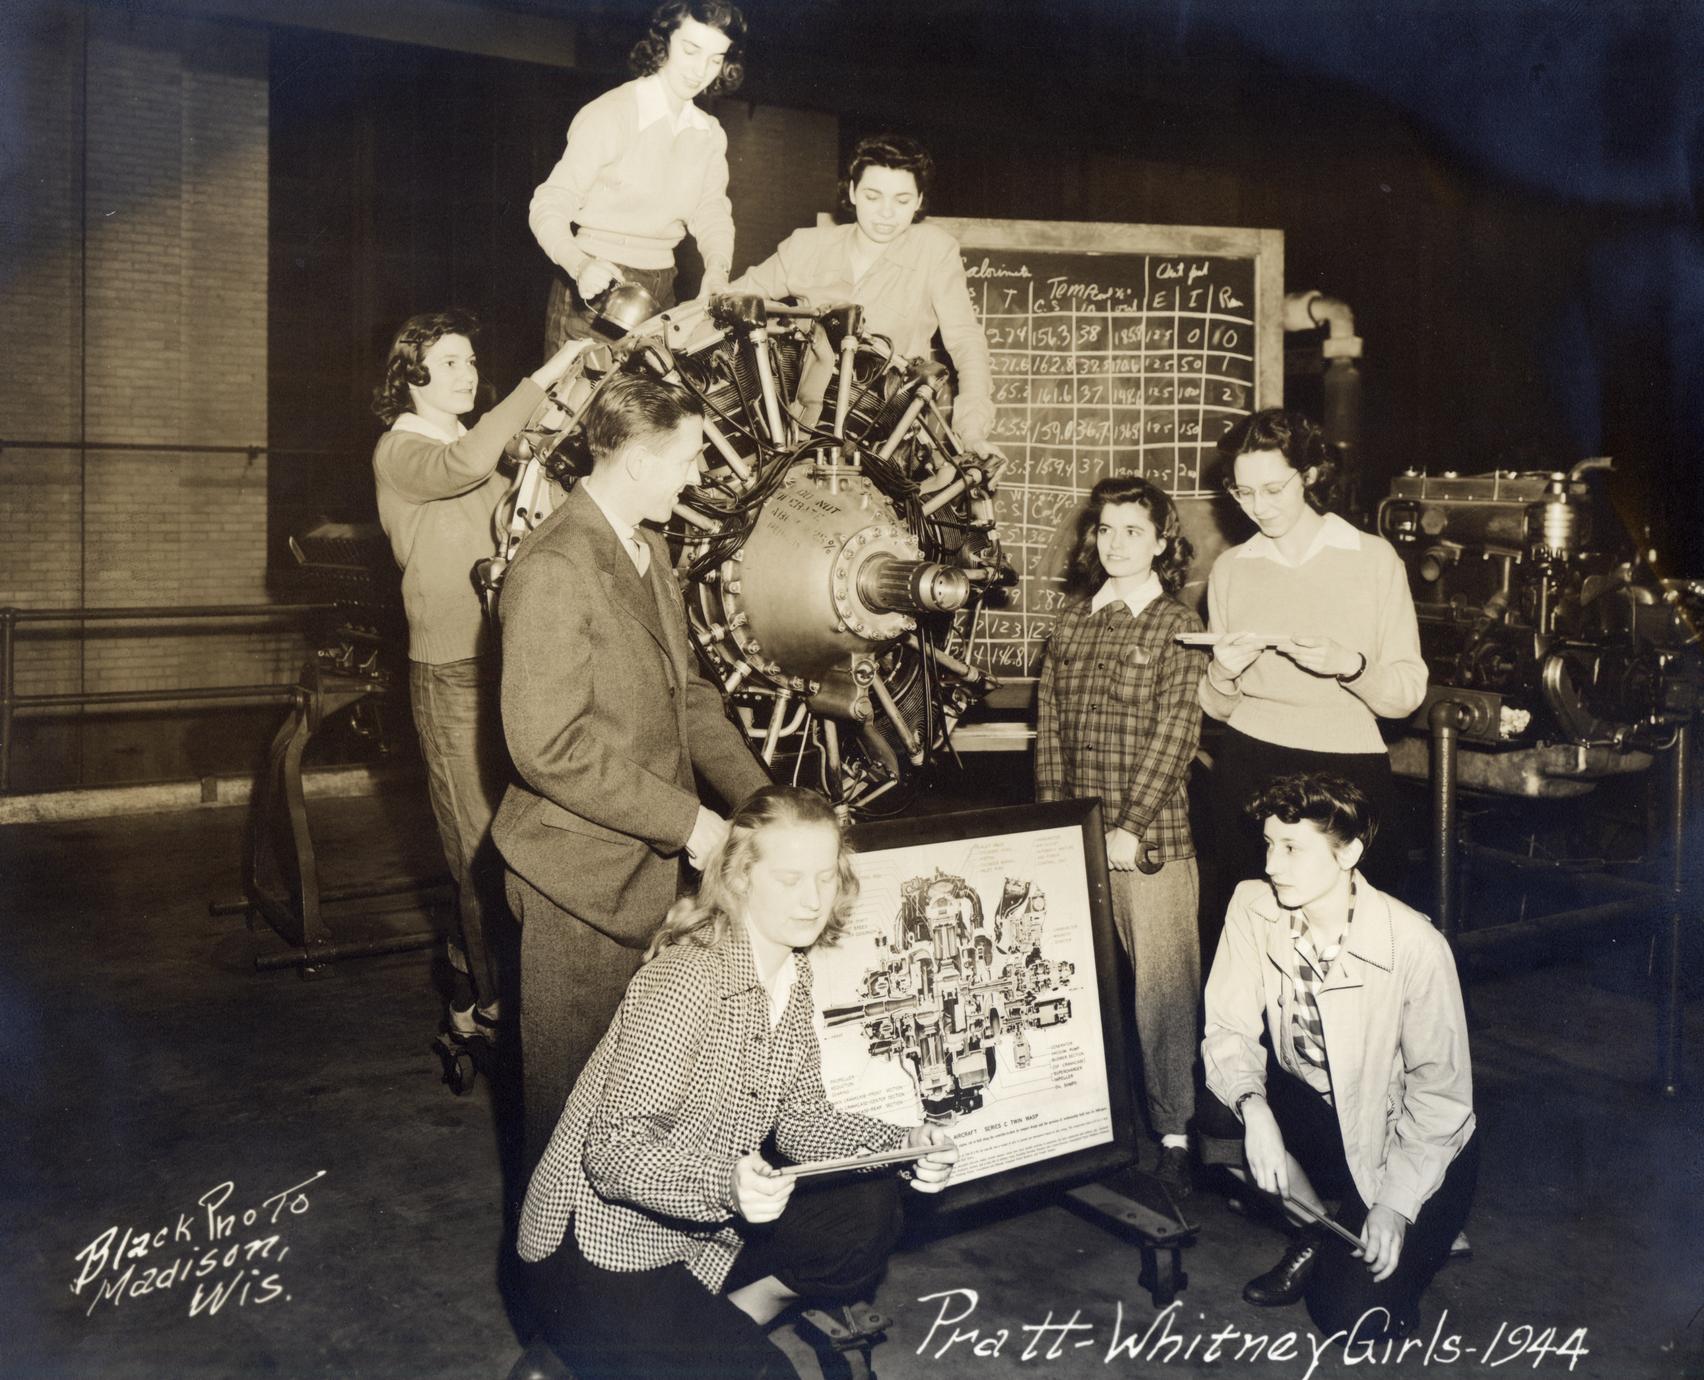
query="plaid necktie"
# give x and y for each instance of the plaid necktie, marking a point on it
(1307, 1032)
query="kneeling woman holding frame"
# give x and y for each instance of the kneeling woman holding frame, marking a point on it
(685, 1240)
(1368, 1092)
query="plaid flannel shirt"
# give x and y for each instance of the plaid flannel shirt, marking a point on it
(689, 1077)
(1118, 717)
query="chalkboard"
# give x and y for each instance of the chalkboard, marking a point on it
(1117, 349)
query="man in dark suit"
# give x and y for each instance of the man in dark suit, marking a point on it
(606, 717)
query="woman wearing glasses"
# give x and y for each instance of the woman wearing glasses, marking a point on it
(1320, 642)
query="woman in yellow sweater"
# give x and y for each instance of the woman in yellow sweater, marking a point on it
(643, 166)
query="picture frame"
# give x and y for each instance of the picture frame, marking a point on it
(978, 986)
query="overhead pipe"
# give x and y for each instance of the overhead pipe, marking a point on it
(1308, 311)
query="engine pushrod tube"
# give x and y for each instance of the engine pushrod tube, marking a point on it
(906, 421)
(884, 697)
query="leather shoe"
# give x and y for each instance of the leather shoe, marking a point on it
(1174, 1172)
(1286, 1281)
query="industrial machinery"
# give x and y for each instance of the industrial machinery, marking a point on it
(1559, 659)
(1539, 614)
(838, 547)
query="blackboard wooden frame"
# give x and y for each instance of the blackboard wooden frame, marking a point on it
(1262, 248)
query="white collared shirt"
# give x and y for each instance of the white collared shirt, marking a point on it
(1145, 594)
(654, 105)
(1333, 531)
(413, 421)
(631, 541)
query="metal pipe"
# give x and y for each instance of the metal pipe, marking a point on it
(1496, 942)
(347, 948)
(730, 456)
(168, 448)
(766, 378)
(75, 699)
(884, 697)
(163, 612)
(770, 738)
(1446, 722)
(1671, 1010)
(907, 420)
(390, 886)
(843, 395)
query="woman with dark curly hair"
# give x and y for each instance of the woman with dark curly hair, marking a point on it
(1118, 720)
(662, 1237)
(908, 277)
(438, 487)
(643, 166)
(1318, 641)
(1337, 1067)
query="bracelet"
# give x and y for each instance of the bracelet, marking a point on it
(1238, 1109)
(1357, 672)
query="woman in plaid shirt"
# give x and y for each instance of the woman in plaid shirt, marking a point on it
(686, 1240)
(1119, 720)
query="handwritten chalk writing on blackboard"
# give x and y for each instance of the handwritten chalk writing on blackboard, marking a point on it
(1104, 364)
(214, 1256)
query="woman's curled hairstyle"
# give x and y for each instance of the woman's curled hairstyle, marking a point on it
(706, 918)
(652, 51)
(894, 151)
(1171, 564)
(1299, 441)
(406, 362)
(1337, 807)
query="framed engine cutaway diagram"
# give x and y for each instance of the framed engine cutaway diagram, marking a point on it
(976, 986)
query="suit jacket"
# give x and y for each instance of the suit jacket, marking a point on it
(606, 717)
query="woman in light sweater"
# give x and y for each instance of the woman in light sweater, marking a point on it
(643, 166)
(438, 487)
(907, 276)
(1320, 643)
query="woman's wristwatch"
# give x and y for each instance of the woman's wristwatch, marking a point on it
(1238, 1109)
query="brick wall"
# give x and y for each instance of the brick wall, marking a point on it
(135, 227)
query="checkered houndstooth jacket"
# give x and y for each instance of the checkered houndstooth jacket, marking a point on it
(689, 1077)
(1118, 717)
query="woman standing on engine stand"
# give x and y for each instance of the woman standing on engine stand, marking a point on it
(907, 276)
(438, 487)
(643, 166)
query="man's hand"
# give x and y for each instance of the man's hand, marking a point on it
(1381, 1241)
(709, 831)
(1121, 849)
(759, 1190)
(594, 276)
(933, 1172)
(1263, 1147)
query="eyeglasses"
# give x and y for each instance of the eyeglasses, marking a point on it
(1245, 495)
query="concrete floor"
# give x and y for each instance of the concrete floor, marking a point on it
(160, 1089)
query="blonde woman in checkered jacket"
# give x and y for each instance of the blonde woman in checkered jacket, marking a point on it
(1118, 719)
(685, 1238)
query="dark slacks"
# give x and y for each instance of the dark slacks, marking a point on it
(831, 1243)
(566, 317)
(1342, 1295)
(573, 978)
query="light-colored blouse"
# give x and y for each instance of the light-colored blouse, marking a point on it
(915, 287)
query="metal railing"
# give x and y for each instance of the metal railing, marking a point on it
(12, 704)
